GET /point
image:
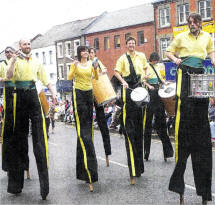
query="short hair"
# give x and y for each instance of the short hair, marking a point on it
(8, 48)
(92, 48)
(80, 49)
(196, 17)
(154, 57)
(131, 38)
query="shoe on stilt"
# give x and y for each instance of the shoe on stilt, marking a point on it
(181, 199)
(91, 187)
(107, 161)
(132, 181)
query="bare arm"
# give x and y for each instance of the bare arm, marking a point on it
(10, 70)
(173, 58)
(212, 57)
(119, 77)
(52, 92)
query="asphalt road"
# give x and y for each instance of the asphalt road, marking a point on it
(113, 186)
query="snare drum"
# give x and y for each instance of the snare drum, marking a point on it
(167, 94)
(103, 90)
(140, 96)
(202, 85)
(43, 99)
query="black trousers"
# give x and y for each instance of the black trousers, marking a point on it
(27, 106)
(8, 129)
(102, 123)
(86, 162)
(133, 131)
(156, 108)
(192, 137)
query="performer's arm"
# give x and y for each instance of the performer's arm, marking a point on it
(72, 70)
(119, 77)
(212, 57)
(173, 58)
(10, 70)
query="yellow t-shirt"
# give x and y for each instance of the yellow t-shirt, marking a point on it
(139, 62)
(30, 70)
(3, 69)
(152, 77)
(185, 44)
(82, 75)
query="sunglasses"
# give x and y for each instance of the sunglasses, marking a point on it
(7, 51)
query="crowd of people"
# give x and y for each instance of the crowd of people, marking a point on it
(136, 122)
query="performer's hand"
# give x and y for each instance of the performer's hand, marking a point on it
(104, 71)
(75, 63)
(54, 99)
(177, 61)
(14, 56)
(124, 84)
(151, 87)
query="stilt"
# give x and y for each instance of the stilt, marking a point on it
(107, 161)
(132, 181)
(91, 187)
(28, 174)
(181, 199)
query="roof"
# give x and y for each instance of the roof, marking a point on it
(123, 18)
(158, 1)
(63, 31)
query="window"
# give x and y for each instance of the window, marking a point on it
(68, 68)
(164, 43)
(37, 55)
(50, 57)
(61, 71)
(127, 35)
(59, 50)
(140, 37)
(106, 43)
(183, 13)
(164, 17)
(96, 43)
(44, 58)
(68, 48)
(52, 75)
(117, 41)
(76, 44)
(205, 9)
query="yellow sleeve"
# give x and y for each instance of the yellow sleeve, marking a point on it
(145, 63)
(71, 71)
(2, 70)
(173, 47)
(120, 65)
(42, 75)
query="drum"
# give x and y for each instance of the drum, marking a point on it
(103, 90)
(140, 96)
(43, 99)
(202, 85)
(167, 94)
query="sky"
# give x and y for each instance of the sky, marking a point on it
(27, 18)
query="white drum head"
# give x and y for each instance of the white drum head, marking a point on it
(168, 91)
(39, 87)
(139, 94)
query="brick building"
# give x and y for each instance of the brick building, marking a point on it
(171, 15)
(108, 34)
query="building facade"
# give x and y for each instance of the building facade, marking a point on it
(108, 34)
(171, 19)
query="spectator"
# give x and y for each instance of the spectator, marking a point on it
(212, 119)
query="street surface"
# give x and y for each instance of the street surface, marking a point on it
(113, 186)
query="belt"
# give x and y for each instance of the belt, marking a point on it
(9, 83)
(25, 85)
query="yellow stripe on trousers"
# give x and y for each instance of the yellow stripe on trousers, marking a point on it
(79, 136)
(3, 123)
(44, 134)
(14, 109)
(178, 114)
(129, 142)
(144, 121)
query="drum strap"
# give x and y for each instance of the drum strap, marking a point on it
(159, 80)
(132, 71)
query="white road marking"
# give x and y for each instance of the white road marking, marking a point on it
(113, 162)
(52, 143)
